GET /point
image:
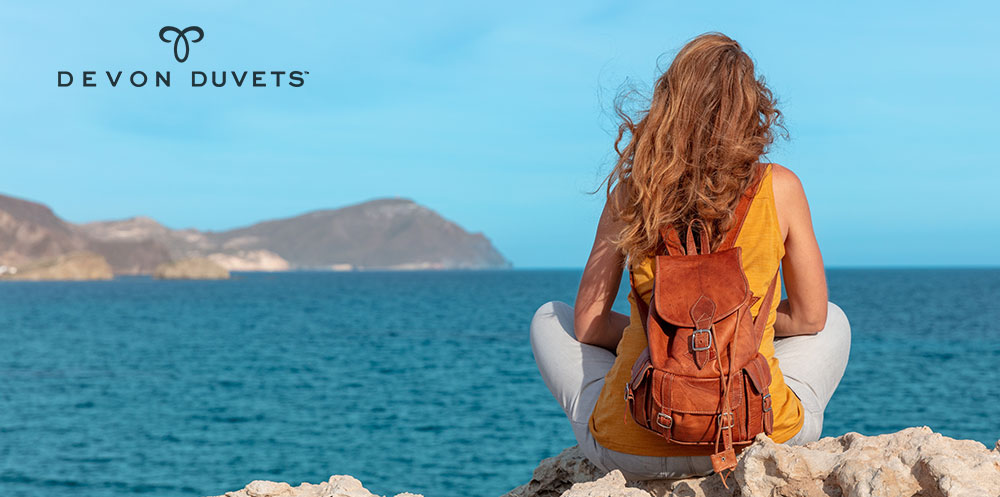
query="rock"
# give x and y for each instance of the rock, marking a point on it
(30, 232)
(191, 269)
(557, 474)
(612, 483)
(386, 233)
(336, 486)
(73, 266)
(131, 256)
(911, 462)
(251, 260)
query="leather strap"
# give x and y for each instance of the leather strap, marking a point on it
(742, 208)
(765, 310)
(703, 337)
(672, 241)
(641, 304)
(705, 246)
(725, 458)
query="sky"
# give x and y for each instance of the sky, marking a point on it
(498, 115)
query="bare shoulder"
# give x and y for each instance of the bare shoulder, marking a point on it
(788, 191)
(789, 197)
(784, 181)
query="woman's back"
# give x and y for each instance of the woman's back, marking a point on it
(761, 242)
(690, 157)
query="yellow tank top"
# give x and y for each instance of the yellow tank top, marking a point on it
(763, 249)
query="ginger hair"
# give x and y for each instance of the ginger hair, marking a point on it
(694, 151)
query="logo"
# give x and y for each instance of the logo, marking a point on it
(219, 77)
(181, 35)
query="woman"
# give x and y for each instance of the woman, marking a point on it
(692, 155)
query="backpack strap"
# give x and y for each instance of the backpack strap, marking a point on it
(641, 304)
(765, 310)
(672, 241)
(742, 208)
(724, 458)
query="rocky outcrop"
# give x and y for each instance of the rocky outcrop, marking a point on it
(912, 462)
(74, 266)
(915, 462)
(191, 269)
(251, 260)
(336, 486)
(31, 232)
(388, 233)
(131, 256)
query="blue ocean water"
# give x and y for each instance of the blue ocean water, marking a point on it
(410, 381)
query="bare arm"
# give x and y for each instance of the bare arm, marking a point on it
(594, 321)
(804, 311)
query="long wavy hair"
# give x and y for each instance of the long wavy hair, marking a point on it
(694, 151)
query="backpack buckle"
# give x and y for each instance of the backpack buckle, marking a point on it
(766, 402)
(726, 420)
(694, 340)
(664, 420)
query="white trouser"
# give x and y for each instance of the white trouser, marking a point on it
(574, 372)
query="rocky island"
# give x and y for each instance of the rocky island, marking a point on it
(380, 234)
(197, 268)
(915, 462)
(73, 266)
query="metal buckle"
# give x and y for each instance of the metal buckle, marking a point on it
(628, 393)
(730, 417)
(695, 333)
(663, 415)
(765, 402)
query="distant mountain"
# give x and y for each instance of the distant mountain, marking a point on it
(391, 233)
(30, 231)
(385, 233)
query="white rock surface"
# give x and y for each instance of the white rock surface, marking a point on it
(250, 260)
(198, 268)
(915, 462)
(336, 486)
(912, 462)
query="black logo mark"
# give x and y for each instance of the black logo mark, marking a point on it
(181, 55)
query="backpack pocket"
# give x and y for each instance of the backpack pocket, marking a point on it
(688, 410)
(758, 417)
(637, 399)
(696, 409)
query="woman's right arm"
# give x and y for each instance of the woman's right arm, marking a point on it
(804, 311)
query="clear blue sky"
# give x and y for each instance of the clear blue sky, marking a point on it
(497, 115)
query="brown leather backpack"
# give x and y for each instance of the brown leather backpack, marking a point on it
(702, 380)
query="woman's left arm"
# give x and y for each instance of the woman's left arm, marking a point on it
(594, 322)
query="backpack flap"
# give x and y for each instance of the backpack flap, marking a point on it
(683, 283)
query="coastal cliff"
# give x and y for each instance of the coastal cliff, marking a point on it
(912, 462)
(909, 463)
(380, 234)
(197, 268)
(74, 266)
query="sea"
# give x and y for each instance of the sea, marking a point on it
(417, 381)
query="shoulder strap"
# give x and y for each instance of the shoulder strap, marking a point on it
(671, 240)
(641, 304)
(673, 244)
(765, 310)
(742, 208)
